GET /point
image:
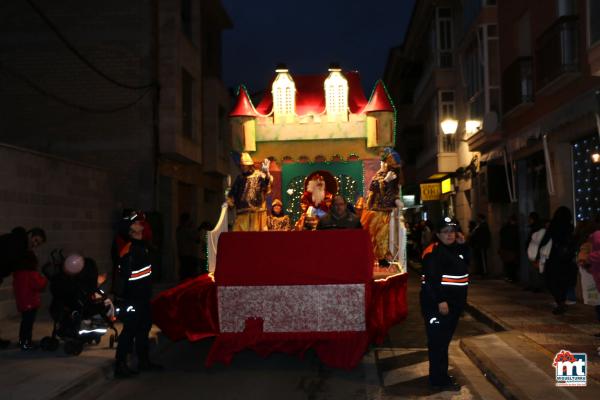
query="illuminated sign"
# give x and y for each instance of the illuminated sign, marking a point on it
(446, 186)
(408, 200)
(430, 191)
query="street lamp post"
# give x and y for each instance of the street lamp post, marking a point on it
(449, 126)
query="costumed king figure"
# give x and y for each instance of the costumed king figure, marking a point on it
(317, 197)
(248, 195)
(383, 198)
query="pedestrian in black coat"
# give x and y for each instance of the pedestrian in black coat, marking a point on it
(560, 269)
(479, 240)
(509, 249)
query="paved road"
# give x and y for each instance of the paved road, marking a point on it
(396, 370)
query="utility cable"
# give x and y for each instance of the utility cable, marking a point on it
(80, 56)
(68, 103)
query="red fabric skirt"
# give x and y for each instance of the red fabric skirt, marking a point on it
(189, 311)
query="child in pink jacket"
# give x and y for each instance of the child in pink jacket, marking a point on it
(28, 284)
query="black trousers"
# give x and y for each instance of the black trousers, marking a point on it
(136, 327)
(439, 329)
(511, 270)
(480, 260)
(26, 328)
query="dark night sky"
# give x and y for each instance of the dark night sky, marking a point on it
(308, 35)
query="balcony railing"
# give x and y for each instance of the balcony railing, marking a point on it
(447, 143)
(557, 51)
(517, 84)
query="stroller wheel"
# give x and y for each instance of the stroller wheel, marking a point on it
(73, 347)
(49, 343)
(111, 341)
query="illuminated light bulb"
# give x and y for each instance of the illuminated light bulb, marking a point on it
(449, 126)
(596, 158)
(472, 126)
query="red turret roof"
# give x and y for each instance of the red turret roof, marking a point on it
(243, 106)
(379, 100)
(310, 94)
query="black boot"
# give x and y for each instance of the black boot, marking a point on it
(122, 371)
(27, 345)
(145, 364)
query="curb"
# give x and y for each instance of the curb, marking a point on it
(104, 371)
(486, 318)
(77, 386)
(488, 373)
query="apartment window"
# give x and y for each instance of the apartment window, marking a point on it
(446, 103)
(473, 75)
(481, 73)
(186, 17)
(493, 63)
(187, 103)
(593, 18)
(523, 36)
(444, 37)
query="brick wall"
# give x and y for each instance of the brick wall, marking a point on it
(116, 37)
(72, 202)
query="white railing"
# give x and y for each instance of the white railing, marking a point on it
(212, 239)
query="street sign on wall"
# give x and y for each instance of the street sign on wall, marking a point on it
(446, 185)
(430, 191)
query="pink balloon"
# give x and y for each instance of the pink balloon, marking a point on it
(73, 264)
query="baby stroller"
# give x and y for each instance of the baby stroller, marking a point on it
(82, 312)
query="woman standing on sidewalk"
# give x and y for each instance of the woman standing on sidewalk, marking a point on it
(560, 270)
(443, 296)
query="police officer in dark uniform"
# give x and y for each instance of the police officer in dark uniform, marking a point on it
(443, 296)
(134, 292)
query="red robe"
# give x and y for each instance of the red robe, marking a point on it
(307, 201)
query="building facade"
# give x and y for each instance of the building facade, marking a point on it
(524, 77)
(134, 88)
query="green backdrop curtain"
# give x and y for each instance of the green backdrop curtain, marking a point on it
(349, 175)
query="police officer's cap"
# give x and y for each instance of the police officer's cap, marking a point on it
(447, 222)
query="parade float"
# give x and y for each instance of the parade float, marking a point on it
(309, 139)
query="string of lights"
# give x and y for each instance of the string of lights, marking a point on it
(11, 72)
(347, 187)
(83, 59)
(587, 178)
